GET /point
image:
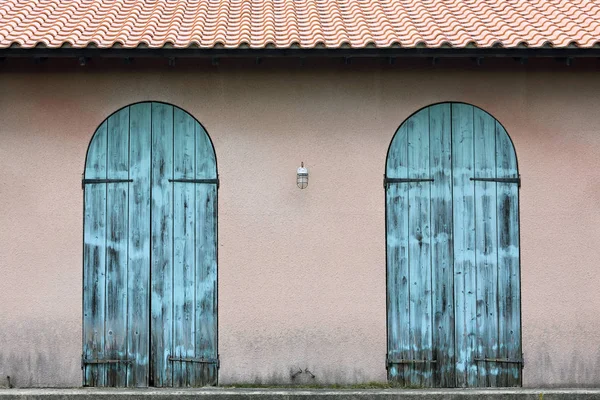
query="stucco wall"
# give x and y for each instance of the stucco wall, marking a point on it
(301, 272)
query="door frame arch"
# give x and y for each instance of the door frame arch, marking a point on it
(387, 153)
(87, 149)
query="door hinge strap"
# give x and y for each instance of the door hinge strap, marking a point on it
(94, 181)
(387, 181)
(403, 361)
(500, 180)
(200, 360)
(499, 360)
(211, 181)
(101, 361)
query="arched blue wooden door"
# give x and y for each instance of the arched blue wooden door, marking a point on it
(453, 279)
(150, 251)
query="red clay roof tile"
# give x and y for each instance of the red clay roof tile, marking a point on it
(299, 23)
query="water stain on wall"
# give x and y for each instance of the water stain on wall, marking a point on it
(40, 354)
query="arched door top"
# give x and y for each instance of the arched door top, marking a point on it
(429, 114)
(138, 110)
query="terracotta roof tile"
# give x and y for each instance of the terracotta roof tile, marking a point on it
(300, 23)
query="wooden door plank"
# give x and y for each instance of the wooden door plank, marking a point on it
(441, 245)
(509, 289)
(206, 163)
(161, 244)
(464, 244)
(139, 245)
(94, 260)
(486, 255)
(116, 247)
(397, 259)
(419, 249)
(184, 267)
(206, 261)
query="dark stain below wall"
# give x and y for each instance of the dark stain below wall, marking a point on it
(40, 354)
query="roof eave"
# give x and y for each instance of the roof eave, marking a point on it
(446, 52)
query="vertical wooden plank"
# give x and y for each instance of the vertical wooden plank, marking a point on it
(397, 259)
(419, 248)
(162, 244)
(116, 247)
(184, 223)
(464, 244)
(206, 163)
(441, 245)
(509, 289)
(94, 260)
(486, 256)
(138, 308)
(206, 261)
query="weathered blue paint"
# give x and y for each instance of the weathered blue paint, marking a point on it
(161, 334)
(398, 299)
(509, 301)
(150, 251)
(94, 259)
(139, 244)
(441, 245)
(419, 248)
(465, 275)
(206, 261)
(486, 260)
(115, 330)
(184, 225)
(455, 242)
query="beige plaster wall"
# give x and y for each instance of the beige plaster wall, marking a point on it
(301, 273)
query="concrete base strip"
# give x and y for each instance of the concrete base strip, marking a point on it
(300, 394)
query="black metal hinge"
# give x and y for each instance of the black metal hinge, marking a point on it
(85, 361)
(501, 360)
(200, 360)
(500, 180)
(391, 361)
(387, 181)
(210, 181)
(95, 181)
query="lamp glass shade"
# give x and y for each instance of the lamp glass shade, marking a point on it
(302, 178)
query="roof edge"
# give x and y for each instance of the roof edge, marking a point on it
(141, 52)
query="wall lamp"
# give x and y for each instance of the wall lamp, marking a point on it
(302, 177)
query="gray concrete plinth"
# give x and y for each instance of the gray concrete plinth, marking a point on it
(303, 394)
